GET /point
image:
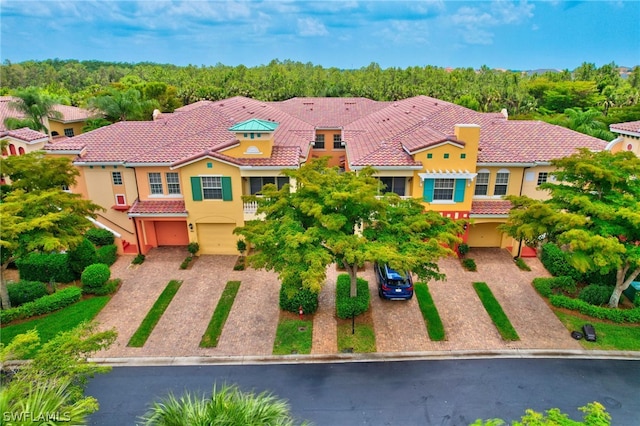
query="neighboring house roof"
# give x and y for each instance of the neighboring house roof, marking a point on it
(160, 207)
(380, 134)
(494, 207)
(632, 127)
(25, 134)
(68, 113)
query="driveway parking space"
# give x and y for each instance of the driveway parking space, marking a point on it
(252, 323)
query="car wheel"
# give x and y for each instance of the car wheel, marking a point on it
(380, 293)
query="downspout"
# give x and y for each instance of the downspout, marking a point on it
(135, 225)
(524, 171)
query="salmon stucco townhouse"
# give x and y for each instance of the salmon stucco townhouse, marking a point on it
(181, 177)
(628, 139)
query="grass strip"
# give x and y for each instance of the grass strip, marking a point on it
(520, 263)
(153, 316)
(364, 339)
(50, 325)
(219, 317)
(432, 320)
(610, 336)
(293, 336)
(495, 311)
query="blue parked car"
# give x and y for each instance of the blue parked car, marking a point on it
(393, 285)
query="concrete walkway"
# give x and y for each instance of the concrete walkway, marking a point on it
(251, 326)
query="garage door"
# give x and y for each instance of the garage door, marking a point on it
(172, 233)
(217, 238)
(484, 235)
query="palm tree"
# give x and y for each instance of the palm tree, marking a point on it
(118, 105)
(587, 122)
(226, 406)
(35, 107)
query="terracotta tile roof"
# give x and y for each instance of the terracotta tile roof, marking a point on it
(282, 156)
(25, 134)
(376, 133)
(630, 126)
(69, 113)
(497, 207)
(158, 207)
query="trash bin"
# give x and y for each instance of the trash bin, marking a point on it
(633, 290)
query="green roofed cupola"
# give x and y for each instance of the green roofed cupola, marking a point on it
(255, 138)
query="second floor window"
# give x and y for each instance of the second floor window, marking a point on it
(319, 142)
(393, 184)
(482, 183)
(155, 184)
(68, 132)
(443, 189)
(542, 177)
(256, 183)
(212, 187)
(116, 178)
(173, 183)
(337, 142)
(502, 183)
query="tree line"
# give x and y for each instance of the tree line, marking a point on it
(593, 94)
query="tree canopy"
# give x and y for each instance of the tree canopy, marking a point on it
(593, 213)
(36, 213)
(335, 216)
(35, 107)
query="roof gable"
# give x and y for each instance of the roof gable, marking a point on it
(254, 125)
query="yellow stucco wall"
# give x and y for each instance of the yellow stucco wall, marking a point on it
(530, 183)
(628, 143)
(56, 126)
(259, 147)
(144, 188)
(513, 186)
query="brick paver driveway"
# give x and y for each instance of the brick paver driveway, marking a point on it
(252, 323)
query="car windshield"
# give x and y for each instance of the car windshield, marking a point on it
(396, 278)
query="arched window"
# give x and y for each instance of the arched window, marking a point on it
(502, 182)
(20, 151)
(12, 149)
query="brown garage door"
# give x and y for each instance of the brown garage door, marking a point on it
(484, 235)
(217, 238)
(172, 233)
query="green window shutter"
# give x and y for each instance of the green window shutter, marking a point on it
(458, 194)
(226, 189)
(428, 190)
(196, 188)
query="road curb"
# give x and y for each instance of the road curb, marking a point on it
(365, 357)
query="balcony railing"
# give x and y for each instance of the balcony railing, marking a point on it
(250, 207)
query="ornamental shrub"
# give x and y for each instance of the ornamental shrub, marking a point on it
(110, 287)
(100, 237)
(596, 294)
(469, 264)
(82, 256)
(293, 295)
(193, 248)
(546, 286)
(42, 305)
(557, 262)
(347, 306)
(45, 267)
(94, 277)
(138, 259)
(25, 291)
(107, 254)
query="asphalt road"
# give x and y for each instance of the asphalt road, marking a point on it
(444, 393)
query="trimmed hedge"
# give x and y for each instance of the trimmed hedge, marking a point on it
(43, 305)
(25, 291)
(596, 294)
(94, 277)
(107, 254)
(557, 262)
(100, 237)
(293, 295)
(546, 286)
(82, 256)
(347, 306)
(45, 267)
(110, 287)
(599, 312)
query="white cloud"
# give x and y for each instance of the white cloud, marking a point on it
(308, 27)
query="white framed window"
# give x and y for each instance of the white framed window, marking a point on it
(173, 183)
(116, 178)
(337, 142)
(502, 182)
(212, 187)
(443, 189)
(482, 183)
(121, 200)
(155, 184)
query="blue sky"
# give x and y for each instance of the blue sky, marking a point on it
(344, 34)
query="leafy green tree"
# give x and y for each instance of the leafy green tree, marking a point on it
(53, 382)
(338, 216)
(226, 406)
(94, 123)
(593, 213)
(36, 214)
(35, 108)
(587, 122)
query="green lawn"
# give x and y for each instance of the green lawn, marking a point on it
(153, 316)
(219, 317)
(429, 312)
(610, 336)
(495, 311)
(364, 339)
(293, 336)
(64, 319)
